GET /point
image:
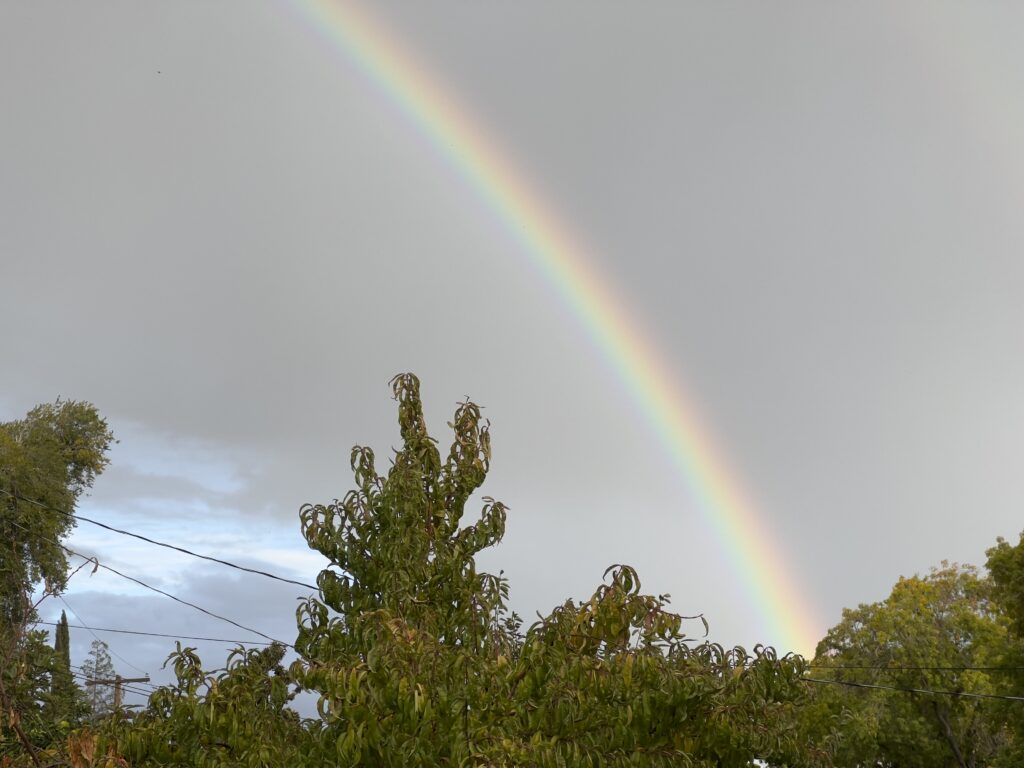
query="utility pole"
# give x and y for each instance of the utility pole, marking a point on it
(117, 682)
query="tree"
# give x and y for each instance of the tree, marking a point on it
(1006, 566)
(47, 460)
(25, 724)
(62, 650)
(418, 661)
(65, 702)
(98, 666)
(234, 716)
(1006, 569)
(936, 632)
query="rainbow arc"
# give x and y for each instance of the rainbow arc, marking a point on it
(754, 556)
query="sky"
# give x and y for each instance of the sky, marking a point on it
(221, 227)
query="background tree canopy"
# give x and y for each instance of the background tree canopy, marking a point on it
(922, 636)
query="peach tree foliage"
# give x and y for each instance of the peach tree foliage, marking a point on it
(235, 716)
(417, 660)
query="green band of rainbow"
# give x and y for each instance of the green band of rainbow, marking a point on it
(755, 558)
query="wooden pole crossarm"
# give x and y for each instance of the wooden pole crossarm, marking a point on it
(117, 683)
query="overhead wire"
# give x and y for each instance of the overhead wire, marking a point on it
(86, 627)
(264, 642)
(97, 637)
(876, 667)
(867, 667)
(136, 683)
(187, 603)
(183, 550)
(163, 634)
(925, 691)
(79, 672)
(846, 683)
(807, 679)
(154, 589)
(819, 681)
(130, 687)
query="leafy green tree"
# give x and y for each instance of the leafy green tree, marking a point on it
(1006, 566)
(234, 716)
(25, 724)
(99, 666)
(47, 460)
(936, 632)
(1006, 569)
(417, 660)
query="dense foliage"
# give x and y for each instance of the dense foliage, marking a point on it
(940, 632)
(415, 658)
(47, 460)
(1006, 566)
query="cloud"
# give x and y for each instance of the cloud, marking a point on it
(169, 456)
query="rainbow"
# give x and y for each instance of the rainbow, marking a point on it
(756, 559)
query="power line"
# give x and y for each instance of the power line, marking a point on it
(125, 687)
(185, 602)
(152, 588)
(77, 516)
(83, 671)
(85, 626)
(78, 672)
(130, 688)
(918, 668)
(874, 686)
(161, 634)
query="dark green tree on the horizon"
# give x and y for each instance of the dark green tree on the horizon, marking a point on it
(62, 641)
(62, 679)
(66, 704)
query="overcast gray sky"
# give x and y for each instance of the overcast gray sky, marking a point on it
(215, 228)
